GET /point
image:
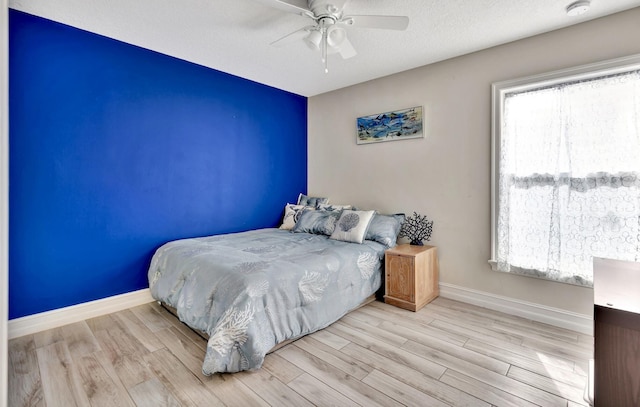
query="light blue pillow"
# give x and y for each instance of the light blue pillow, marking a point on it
(316, 222)
(384, 229)
(331, 207)
(311, 200)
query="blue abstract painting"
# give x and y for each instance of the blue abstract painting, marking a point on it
(398, 125)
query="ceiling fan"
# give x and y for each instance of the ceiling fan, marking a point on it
(327, 33)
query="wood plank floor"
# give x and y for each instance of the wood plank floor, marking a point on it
(447, 354)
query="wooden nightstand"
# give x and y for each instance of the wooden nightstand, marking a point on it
(411, 276)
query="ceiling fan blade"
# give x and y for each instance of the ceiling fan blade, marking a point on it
(346, 49)
(292, 6)
(292, 37)
(384, 22)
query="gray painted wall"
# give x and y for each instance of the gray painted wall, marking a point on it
(447, 174)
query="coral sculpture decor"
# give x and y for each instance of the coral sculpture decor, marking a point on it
(416, 228)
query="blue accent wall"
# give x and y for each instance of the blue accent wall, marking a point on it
(115, 149)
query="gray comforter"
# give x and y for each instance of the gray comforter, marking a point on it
(252, 290)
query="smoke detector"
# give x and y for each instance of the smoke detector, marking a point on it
(578, 7)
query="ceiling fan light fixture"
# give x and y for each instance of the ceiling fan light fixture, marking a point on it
(313, 39)
(335, 36)
(578, 7)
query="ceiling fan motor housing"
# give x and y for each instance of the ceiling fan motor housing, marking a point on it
(322, 8)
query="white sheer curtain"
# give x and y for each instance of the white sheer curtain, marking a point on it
(569, 182)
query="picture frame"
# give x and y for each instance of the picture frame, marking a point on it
(400, 124)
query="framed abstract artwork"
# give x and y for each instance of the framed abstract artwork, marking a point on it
(390, 126)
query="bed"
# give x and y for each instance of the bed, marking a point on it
(250, 291)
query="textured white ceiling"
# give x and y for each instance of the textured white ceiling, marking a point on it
(233, 36)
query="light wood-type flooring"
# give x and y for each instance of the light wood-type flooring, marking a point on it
(447, 354)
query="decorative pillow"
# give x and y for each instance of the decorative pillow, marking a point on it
(327, 207)
(316, 222)
(384, 229)
(352, 226)
(291, 214)
(311, 200)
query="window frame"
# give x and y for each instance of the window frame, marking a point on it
(500, 89)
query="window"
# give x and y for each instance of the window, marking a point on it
(566, 171)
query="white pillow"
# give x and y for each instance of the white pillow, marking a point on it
(352, 226)
(291, 213)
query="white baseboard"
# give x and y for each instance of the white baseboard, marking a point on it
(536, 312)
(68, 315)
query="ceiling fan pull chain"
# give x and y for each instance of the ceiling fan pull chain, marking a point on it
(325, 45)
